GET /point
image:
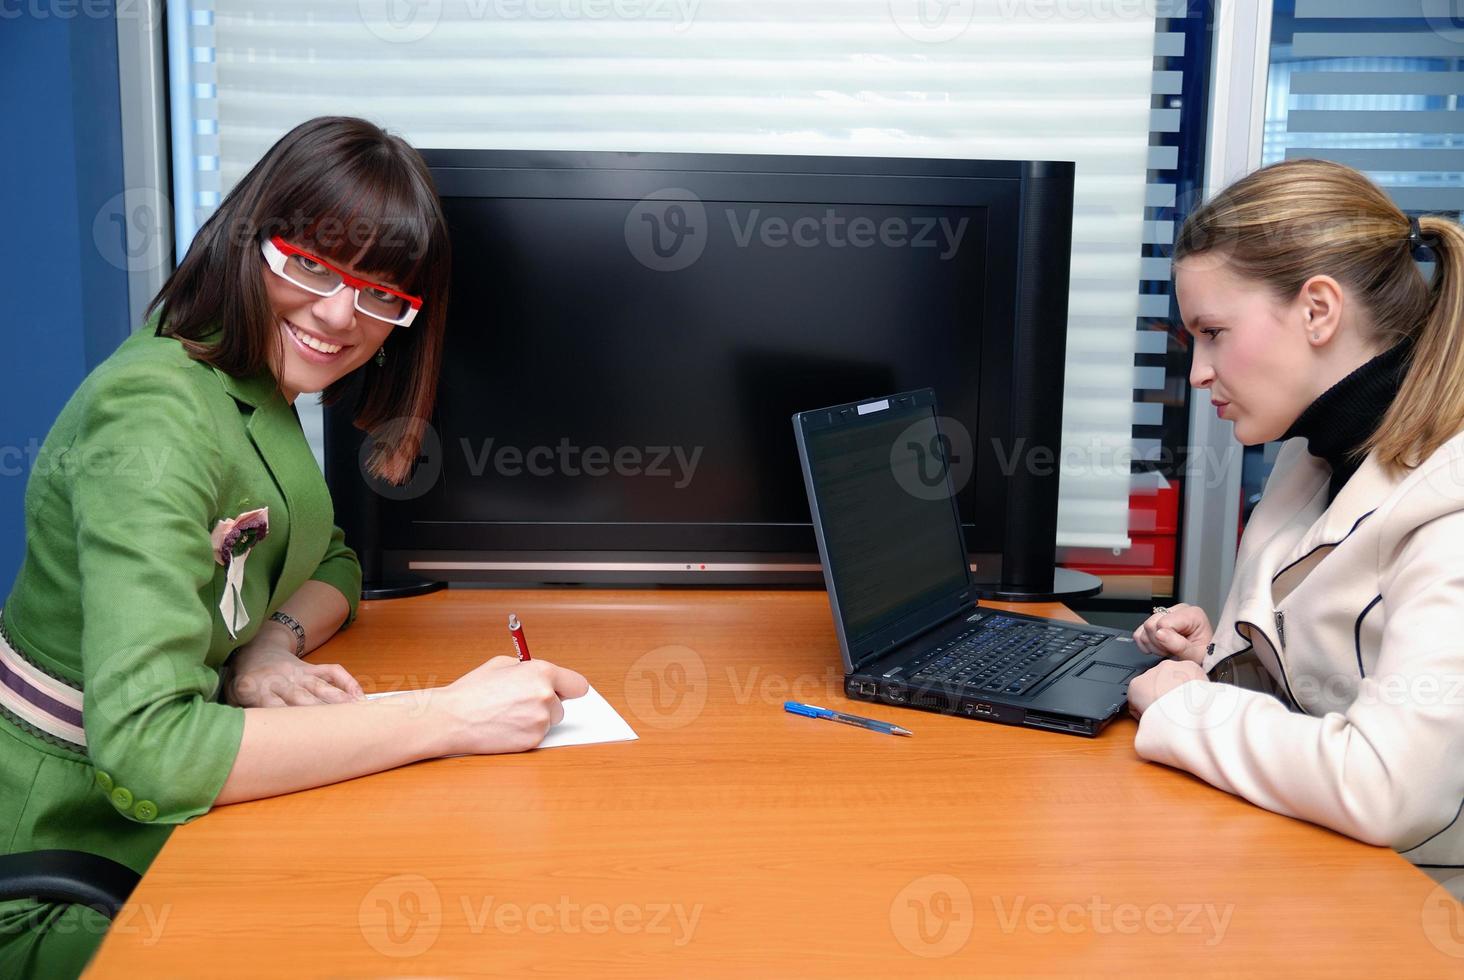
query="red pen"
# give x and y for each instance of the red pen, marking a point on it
(520, 645)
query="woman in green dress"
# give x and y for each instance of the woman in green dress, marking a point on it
(180, 549)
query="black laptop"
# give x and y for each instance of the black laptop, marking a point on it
(902, 592)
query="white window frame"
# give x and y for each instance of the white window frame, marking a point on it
(1211, 523)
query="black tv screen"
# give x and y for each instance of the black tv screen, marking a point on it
(629, 336)
(584, 386)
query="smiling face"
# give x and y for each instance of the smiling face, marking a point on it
(1251, 351)
(322, 338)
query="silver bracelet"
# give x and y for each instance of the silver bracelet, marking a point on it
(294, 627)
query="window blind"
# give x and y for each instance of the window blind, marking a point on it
(1374, 84)
(1013, 79)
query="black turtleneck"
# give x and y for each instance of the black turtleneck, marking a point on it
(1344, 415)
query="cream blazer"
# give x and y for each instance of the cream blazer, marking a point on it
(1341, 646)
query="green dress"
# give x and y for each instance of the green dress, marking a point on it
(118, 600)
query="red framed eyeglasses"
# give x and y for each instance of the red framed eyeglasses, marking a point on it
(315, 275)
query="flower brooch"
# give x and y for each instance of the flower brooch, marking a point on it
(233, 538)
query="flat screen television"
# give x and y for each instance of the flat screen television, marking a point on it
(629, 335)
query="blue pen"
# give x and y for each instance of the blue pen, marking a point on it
(814, 711)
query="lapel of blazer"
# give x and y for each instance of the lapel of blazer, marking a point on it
(275, 431)
(1293, 500)
(1356, 501)
(1290, 532)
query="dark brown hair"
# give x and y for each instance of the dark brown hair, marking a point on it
(343, 189)
(1290, 221)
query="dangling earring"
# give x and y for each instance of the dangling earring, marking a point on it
(381, 356)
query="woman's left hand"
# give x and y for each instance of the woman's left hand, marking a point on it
(1159, 680)
(267, 676)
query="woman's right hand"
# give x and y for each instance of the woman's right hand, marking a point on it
(264, 675)
(507, 706)
(1182, 632)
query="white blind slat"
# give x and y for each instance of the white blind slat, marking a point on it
(1424, 43)
(1371, 121)
(1377, 83)
(1379, 97)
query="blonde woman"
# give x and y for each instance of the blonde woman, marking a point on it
(1332, 688)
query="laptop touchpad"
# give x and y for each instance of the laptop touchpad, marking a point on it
(1107, 673)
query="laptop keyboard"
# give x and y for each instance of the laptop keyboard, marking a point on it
(1004, 656)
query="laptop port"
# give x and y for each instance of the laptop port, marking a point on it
(893, 693)
(1058, 723)
(868, 687)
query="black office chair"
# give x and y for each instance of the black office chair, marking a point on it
(74, 877)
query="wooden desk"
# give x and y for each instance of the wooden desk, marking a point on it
(734, 838)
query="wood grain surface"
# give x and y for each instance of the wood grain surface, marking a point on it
(736, 839)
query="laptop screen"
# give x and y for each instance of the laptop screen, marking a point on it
(890, 529)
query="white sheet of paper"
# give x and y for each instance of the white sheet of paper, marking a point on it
(589, 720)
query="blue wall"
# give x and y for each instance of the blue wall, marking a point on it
(60, 165)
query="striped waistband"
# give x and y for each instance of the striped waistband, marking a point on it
(38, 700)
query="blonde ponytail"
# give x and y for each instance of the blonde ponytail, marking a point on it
(1429, 408)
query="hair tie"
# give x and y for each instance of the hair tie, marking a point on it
(1416, 245)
